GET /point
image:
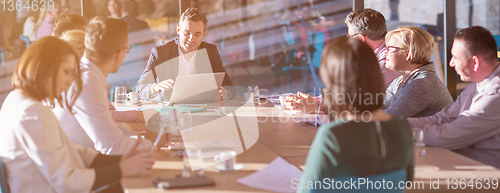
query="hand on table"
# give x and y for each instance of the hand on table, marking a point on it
(137, 162)
(302, 103)
(163, 85)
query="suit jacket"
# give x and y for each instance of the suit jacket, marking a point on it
(163, 64)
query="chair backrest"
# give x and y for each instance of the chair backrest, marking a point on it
(25, 39)
(4, 187)
(497, 40)
(318, 42)
(112, 94)
(438, 65)
(391, 180)
(289, 38)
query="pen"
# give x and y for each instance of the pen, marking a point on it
(157, 140)
(319, 107)
(317, 114)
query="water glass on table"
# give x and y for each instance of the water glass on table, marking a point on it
(226, 159)
(187, 121)
(418, 141)
(120, 94)
(193, 163)
(255, 93)
(179, 122)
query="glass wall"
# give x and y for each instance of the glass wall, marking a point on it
(428, 14)
(268, 43)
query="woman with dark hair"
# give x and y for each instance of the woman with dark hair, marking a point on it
(36, 153)
(362, 140)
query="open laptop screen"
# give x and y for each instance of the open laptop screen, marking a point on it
(196, 88)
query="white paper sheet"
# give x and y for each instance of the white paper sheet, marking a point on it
(277, 177)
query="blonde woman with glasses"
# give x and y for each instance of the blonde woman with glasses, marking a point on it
(417, 92)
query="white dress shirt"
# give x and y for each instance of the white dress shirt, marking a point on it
(37, 154)
(186, 67)
(92, 125)
(470, 126)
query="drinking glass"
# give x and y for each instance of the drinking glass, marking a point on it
(175, 141)
(227, 160)
(193, 163)
(175, 119)
(418, 141)
(187, 121)
(254, 91)
(120, 94)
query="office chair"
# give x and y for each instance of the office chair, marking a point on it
(4, 187)
(26, 40)
(2, 55)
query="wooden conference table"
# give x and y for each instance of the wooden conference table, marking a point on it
(282, 135)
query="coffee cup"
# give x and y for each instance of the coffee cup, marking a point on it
(133, 97)
(227, 159)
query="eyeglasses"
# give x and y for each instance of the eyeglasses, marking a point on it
(128, 48)
(394, 49)
(354, 35)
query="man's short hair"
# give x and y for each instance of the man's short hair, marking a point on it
(131, 8)
(479, 42)
(367, 22)
(69, 21)
(194, 15)
(104, 36)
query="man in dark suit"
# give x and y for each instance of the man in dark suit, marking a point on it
(130, 10)
(186, 55)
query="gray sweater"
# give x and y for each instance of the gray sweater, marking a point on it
(421, 95)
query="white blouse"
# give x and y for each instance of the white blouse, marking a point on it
(92, 125)
(37, 154)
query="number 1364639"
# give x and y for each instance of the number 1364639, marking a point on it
(28, 5)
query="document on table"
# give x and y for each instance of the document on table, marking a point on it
(277, 177)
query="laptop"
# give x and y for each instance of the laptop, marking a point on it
(196, 88)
